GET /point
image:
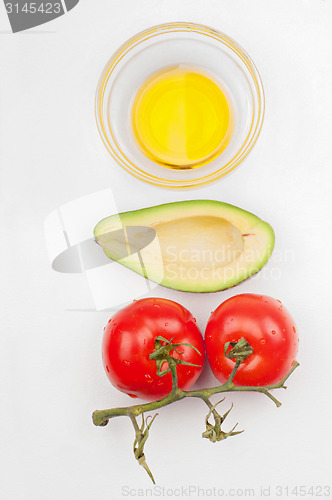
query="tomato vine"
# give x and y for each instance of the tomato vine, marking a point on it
(240, 351)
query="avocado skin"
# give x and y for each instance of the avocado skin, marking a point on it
(176, 226)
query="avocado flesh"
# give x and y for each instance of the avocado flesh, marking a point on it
(194, 246)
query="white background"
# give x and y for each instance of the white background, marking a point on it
(51, 372)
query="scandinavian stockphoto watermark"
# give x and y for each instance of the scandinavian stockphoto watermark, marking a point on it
(72, 249)
(24, 15)
(222, 264)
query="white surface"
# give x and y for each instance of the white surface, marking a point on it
(51, 372)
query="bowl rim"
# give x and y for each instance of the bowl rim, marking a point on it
(246, 144)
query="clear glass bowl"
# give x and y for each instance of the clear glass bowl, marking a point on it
(161, 47)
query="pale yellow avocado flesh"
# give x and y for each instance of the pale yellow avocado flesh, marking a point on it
(195, 246)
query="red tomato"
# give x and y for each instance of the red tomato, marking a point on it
(268, 327)
(129, 338)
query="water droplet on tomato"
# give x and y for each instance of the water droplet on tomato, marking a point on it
(107, 369)
(148, 378)
(279, 301)
(263, 341)
(194, 320)
(126, 362)
(273, 332)
(132, 395)
(110, 320)
(294, 329)
(135, 300)
(156, 305)
(166, 324)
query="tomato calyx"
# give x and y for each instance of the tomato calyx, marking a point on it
(141, 435)
(162, 354)
(214, 432)
(240, 350)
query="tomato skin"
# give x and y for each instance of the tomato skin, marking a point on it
(129, 339)
(268, 327)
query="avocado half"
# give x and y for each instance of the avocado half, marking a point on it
(192, 246)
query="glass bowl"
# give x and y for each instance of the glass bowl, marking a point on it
(156, 49)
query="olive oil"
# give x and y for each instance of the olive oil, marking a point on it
(181, 118)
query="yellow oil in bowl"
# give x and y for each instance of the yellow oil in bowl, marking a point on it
(182, 118)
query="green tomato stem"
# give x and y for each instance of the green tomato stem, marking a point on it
(101, 417)
(240, 351)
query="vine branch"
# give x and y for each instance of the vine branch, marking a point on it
(240, 351)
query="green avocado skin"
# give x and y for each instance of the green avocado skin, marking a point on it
(192, 246)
